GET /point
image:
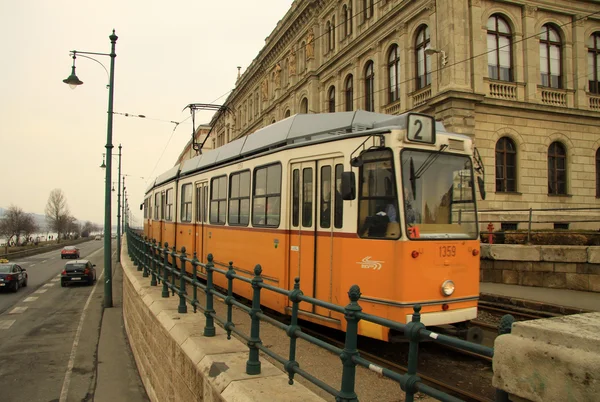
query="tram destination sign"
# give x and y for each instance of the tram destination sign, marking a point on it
(421, 128)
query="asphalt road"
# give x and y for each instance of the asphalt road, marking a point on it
(48, 334)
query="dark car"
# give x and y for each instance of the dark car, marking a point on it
(80, 271)
(12, 276)
(69, 252)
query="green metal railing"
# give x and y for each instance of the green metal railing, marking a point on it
(169, 268)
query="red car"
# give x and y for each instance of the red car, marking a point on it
(69, 252)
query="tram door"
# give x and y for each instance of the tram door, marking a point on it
(311, 234)
(201, 198)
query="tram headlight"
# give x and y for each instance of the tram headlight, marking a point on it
(447, 288)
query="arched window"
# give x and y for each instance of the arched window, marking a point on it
(287, 113)
(331, 99)
(369, 87)
(393, 74)
(506, 165)
(329, 36)
(349, 92)
(423, 60)
(550, 57)
(557, 169)
(593, 46)
(304, 106)
(350, 17)
(345, 19)
(499, 43)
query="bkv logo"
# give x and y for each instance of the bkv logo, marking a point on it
(366, 263)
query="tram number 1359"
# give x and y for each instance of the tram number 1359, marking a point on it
(447, 251)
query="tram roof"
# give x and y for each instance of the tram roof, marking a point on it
(299, 128)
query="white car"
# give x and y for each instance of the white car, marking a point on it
(98, 238)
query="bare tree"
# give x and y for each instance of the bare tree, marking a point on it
(15, 223)
(57, 212)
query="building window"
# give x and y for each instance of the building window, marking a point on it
(186, 203)
(266, 196)
(499, 43)
(331, 99)
(304, 106)
(423, 60)
(557, 169)
(333, 33)
(393, 74)
(350, 17)
(345, 17)
(369, 87)
(509, 226)
(218, 200)
(239, 198)
(349, 92)
(598, 172)
(367, 9)
(561, 226)
(506, 165)
(550, 57)
(287, 114)
(593, 46)
(329, 36)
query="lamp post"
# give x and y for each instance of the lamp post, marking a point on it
(73, 82)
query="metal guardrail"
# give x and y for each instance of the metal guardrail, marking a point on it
(161, 264)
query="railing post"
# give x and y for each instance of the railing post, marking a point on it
(209, 327)
(229, 325)
(182, 304)
(195, 281)
(347, 392)
(133, 251)
(165, 289)
(253, 364)
(156, 264)
(143, 253)
(291, 332)
(504, 328)
(529, 228)
(173, 268)
(412, 333)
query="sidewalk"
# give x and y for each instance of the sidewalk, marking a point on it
(558, 297)
(117, 378)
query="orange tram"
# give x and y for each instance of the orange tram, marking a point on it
(337, 199)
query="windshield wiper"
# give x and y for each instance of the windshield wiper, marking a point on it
(429, 161)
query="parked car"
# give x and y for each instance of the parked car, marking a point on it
(69, 252)
(97, 238)
(80, 271)
(12, 276)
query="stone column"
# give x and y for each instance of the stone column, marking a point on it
(531, 53)
(580, 79)
(479, 47)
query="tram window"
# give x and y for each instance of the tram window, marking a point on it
(205, 205)
(307, 197)
(325, 202)
(378, 198)
(218, 200)
(338, 210)
(198, 204)
(267, 196)
(169, 205)
(296, 197)
(239, 198)
(186, 203)
(157, 206)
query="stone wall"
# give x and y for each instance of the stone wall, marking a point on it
(559, 267)
(177, 363)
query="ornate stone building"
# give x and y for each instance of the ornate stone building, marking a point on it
(521, 77)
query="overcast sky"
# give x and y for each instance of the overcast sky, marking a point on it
(169, 54)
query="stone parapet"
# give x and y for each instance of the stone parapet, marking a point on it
(558, 267)
(554, 359)
(177, 363)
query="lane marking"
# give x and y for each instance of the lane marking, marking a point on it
(44, 261)
(6, 324)
(40, 291)
(55, 279)
(30, 299)
(67, 381)
(17, 310)
(32, 265)
(47, 285)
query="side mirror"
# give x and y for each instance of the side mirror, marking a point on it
(141, 207)
(348, 186)
(481, 185)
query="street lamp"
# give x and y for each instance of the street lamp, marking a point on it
(118, 207)
(73, 82)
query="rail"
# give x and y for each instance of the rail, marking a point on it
(161, 265)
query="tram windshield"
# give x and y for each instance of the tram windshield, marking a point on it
(439, 197)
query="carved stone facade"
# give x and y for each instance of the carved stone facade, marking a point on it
(452, 81)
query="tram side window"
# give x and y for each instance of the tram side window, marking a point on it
(205, 205)
(239, 198)
(338, 211)
(296, 197)
(198, 204)
(325, 202)
(266, 207)
(186, 203)
(157, 204)
(146, 208)
(378, 197)
(169, 205)
(218, 200)
(307, 197)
